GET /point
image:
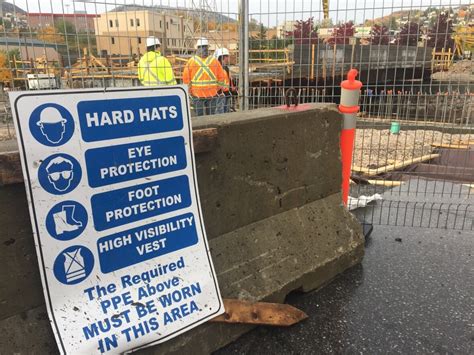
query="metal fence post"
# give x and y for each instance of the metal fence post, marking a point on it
(244, 53)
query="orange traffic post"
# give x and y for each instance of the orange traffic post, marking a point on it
(349, 106)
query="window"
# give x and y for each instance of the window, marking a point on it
(178, 26)
(137, 21)
(116, 23)
(112, 39)
(161, 24)
(111, 23)
(167, 25)
(173, 41)
(139, 40)
(168, 41)
(131, 22)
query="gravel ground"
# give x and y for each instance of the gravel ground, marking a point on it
(375, 148)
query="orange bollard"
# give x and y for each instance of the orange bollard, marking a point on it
(349, 106)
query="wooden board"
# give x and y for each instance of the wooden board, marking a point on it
(450, 146)
(390, 183)
(276, 314)
(391, 167)
(204, 140)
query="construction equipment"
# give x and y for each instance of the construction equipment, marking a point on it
(326, 9)
(464, 40)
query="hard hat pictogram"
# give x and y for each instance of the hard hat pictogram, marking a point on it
(51, 125)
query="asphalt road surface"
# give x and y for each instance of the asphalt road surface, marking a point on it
(412, 294)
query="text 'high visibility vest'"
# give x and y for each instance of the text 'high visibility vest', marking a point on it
(154, 69)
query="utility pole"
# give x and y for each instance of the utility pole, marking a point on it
(244, 54)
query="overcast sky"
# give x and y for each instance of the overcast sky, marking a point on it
(269, 12)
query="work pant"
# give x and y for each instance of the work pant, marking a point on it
(223, 104)
(205, 106)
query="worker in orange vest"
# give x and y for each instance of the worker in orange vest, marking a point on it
(206, 79)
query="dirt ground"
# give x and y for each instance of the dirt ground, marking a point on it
(461, 71)
(375, 148)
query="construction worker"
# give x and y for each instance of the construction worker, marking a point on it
(223, 105)
(153, 68)
(206, 79)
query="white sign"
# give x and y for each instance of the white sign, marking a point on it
(117, 222)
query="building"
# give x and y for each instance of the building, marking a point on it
(285, 27)
(82, 22)
(325, 33)
(221, 39)
(125, 32)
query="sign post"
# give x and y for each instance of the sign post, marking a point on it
(114, 204)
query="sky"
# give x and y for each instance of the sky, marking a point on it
(268, 12)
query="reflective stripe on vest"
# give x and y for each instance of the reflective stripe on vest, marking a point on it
(149, 77)
(195, 81)
(148, 71)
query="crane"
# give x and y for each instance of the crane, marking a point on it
(326, 9)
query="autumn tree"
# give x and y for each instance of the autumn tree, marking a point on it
(440, 33)
(379, 35)
(305, 32)
(409, 34)
(231, 27)
(50, 34)
(342, 33)
(5, 71)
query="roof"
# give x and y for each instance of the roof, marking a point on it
(29, 42)
(45, 14)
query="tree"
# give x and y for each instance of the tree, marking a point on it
(50, 34)
(258, 42)
(231, 27)
(5, 71)
(342, 33)
(409, 34)
(305, 32)
(253, 24)
(379, 35)
(440, 34)
(65, 27)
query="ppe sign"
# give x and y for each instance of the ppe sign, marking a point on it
(112, 189)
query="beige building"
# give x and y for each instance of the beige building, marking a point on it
(125, 33)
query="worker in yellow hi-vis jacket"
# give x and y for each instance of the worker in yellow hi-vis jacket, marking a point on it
(154, 69)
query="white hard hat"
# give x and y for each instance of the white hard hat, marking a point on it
(50, 115)
(201, 42)
(221, 52)
(152, 41)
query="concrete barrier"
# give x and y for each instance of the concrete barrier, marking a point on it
(270, 192)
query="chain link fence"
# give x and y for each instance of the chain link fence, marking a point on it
(414, 144)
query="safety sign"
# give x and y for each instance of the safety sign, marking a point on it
(112, 190)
